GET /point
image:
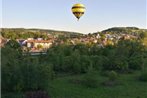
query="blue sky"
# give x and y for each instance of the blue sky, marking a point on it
(56, 14)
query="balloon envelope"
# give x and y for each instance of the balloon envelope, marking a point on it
(78, 10)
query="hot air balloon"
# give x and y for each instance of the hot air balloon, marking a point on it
(78, 10)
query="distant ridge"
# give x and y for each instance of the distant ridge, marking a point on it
(36, 30)
(123, 29)
(71, 33)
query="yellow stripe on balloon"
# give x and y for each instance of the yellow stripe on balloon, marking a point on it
(78, 10)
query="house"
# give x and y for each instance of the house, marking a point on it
(36, 43)
(3, 41)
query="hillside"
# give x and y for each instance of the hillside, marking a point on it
(126, 30)
(24, 33)
(16, 33)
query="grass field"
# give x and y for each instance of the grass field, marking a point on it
(129, 87)
(63, 87)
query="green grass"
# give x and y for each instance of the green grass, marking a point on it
(130, 87)
(63, 87)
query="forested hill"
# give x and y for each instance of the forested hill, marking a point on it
(25, 33)
(17, 33)
(126, 30)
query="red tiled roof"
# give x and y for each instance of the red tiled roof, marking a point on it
(39, 41)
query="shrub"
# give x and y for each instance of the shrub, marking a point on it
(112, 79)
(113, 76)
(135, 63)
(36, 77)
(25, 75)
(39, 46)
(98, 61)
(10, 73)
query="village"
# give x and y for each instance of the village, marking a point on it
(35, 45)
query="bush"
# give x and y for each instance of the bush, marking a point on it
(113, 76)
(143, 76)
(112, 79)
(135, 63)
(25, 75)
(36, 77)
(10, 73)
(39, 46)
